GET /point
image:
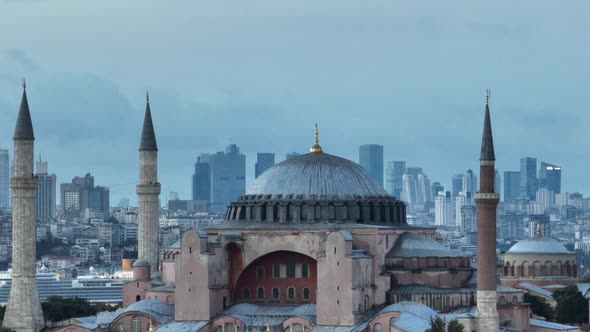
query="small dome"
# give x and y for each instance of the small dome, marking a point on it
(538, 245)
(317, 174)
(141, 263)
(414, 245)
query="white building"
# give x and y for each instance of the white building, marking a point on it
(546, 198)
(416, 186)
(464, 198)
(443, 209)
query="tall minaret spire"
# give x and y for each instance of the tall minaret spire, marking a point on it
(487, 201)
(23, 311)
(148, 192)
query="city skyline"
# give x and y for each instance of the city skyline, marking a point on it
(205, 97)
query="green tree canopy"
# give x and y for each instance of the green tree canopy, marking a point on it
(437, 324)
(57, 308)
(539, 306)
(572, 306)
(455, 326)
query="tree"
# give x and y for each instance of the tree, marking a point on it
(455, 326)
(437, 325)
(539, 306)
(572, 306)
(57, 308)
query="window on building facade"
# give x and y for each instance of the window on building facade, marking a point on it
(136, 324)
(377, 328)
(259, 273)
(305, 270)
(260, 292)
(120, 327)
(276, 270)
(276, 293)
(246, 293)
(291, 293)
(291, 267)
(306, 293)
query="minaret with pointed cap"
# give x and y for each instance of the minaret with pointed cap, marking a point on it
(23, 311)
(487, 201)
(148, 193)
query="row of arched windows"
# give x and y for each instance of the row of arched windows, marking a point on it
(276, 293)
(290, 271)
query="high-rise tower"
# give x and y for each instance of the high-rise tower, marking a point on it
(23, 311)
(148, 193)
(487, 201)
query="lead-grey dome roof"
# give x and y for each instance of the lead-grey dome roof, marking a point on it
(538, 245)
(318, 174)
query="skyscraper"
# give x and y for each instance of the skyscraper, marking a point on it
(4, 179)
(436, 188)
(511, 185)
(23, 311)
(469, 182)
(465, 198)
(416, 186)
(264, 160)
(528, 177)
(46, 192)
(457, 185)
(393, 177)
(81, 194)
(550, 177)
(443, 209)
(371, 158)
(228, 177)
(202, 179)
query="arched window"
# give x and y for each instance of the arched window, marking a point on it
(260, 292)
(259, 273)
(137, 298)
(377, 328)
(502, 300)
(305, 270)
(276, 293)
(291, 293)
(120, 327)
(136, 324)
(246, 293)
(514, 299)
(297, 328)
(306, 294)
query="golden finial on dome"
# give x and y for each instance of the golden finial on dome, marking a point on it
(151, 327)
(268, 326)
(538, 229)
(316, 148)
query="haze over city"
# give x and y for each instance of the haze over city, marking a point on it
(409, 76)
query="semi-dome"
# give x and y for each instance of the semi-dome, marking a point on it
(538, 245)
(318, 175)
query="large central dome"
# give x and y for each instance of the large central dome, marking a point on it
(318, 175)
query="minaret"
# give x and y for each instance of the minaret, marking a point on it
(486, 201)
(148, 193)
(23, 311)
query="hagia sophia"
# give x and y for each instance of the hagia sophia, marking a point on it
(314, 244)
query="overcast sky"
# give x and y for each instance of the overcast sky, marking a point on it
(410, 75)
